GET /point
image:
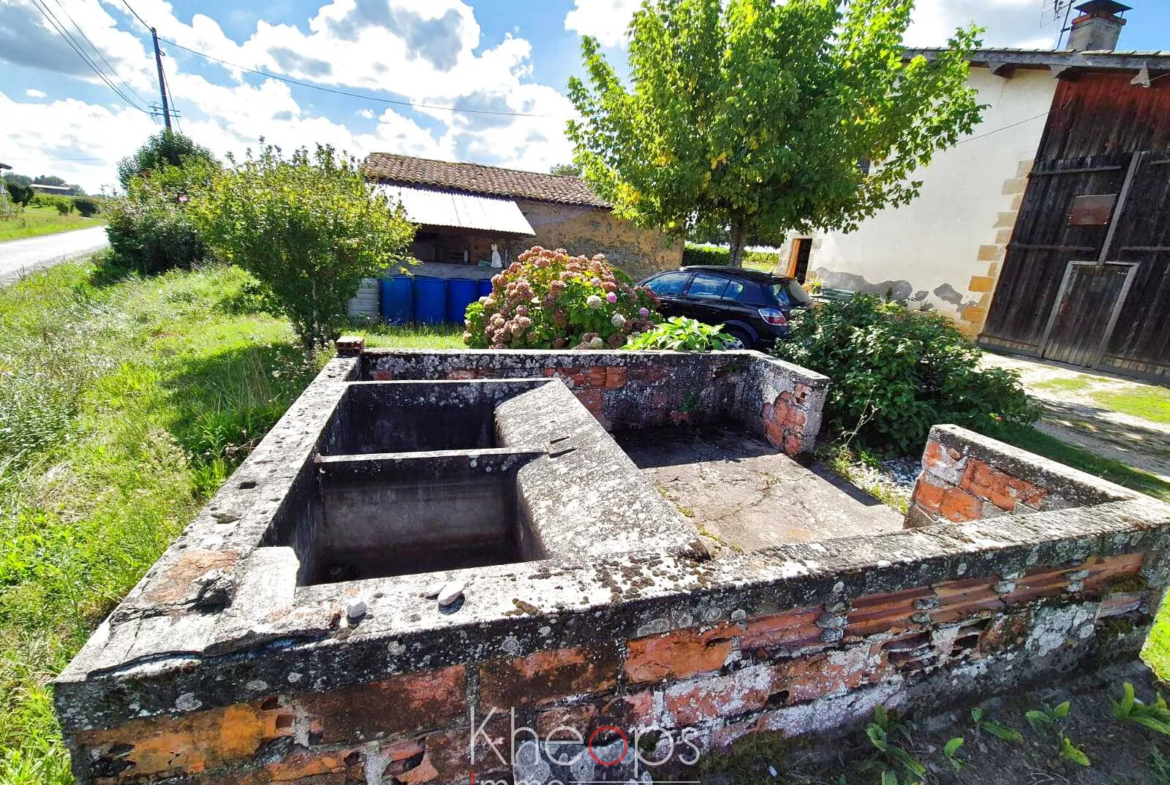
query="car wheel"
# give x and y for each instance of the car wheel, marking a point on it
(742, 339)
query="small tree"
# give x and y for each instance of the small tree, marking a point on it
(19, 194)
(562, 170)
(166, 148)
(309, 228)
(761, 117)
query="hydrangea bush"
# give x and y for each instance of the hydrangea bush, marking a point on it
(550, 300)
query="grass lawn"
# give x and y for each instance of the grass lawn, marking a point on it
(122, 408)
(1148, 402)
(1033, 440)
(37, 221)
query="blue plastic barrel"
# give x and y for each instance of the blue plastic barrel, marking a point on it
(485, 288)
(461, 292)
(397, 299)
(430, 300)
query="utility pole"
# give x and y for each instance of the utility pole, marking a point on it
(162, 85)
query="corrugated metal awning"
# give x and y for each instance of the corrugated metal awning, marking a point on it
(459, 210)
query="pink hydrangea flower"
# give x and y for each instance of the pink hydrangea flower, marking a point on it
(611, 297)
(644, 313)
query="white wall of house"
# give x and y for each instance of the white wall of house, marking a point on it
(929, 251)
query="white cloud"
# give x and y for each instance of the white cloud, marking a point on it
(1008, 22)
(605, 20)
(425, 50)
(36, 94)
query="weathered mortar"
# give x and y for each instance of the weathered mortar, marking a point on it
(219, 668)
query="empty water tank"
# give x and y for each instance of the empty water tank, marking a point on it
(430, 300)
(461, 292)
(398, 299)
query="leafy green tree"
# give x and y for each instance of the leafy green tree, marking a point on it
(565, 169)
(762, 117)
(19, 194)
(166, 148)
(308, 227)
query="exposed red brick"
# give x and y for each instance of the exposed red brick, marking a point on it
(678, 654)
(1120, 604)
(775, 433)
(793, 444)
(462, 373)
(392, 707)
(958, 506)
(935, 456)
(188, 744)
(1006, 632)
(790, 630)
(963, 599)
(766, 412)
(382, 375)
(622, 711)
(719, 696)
(877, 613)
(928, 493)
(809, 678)
(547, 675)
(615, 376)
(1001, 489)
(596, 376)
(1038, 585)
(1102, 571)
(591, 399)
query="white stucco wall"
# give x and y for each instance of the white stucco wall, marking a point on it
(967, 195)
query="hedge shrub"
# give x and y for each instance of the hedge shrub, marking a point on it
(895, 373)
(714, 256)
(550, 300)
(86, 206)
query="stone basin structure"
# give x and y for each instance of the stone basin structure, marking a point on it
(294, 632)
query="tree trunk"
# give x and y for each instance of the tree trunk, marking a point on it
(738, 236)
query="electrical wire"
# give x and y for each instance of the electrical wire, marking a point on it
(93, 46)
(362, 96)
(174, 106)
(56, 24)
(136, 16)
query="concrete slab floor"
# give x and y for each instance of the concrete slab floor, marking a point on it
(745, 494)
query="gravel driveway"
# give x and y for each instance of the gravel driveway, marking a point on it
(18, 257)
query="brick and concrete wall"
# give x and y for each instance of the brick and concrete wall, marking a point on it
(968, 477)
(220, 667)
(769, 397)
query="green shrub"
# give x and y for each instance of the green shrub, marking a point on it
(895, 373)
(550, 300)
(680, 334)
(309, 228)
(20, 194)
(86, 206)
(713, 256)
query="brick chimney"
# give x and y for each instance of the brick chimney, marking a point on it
(1098, 27)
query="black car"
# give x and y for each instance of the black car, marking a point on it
(752, 306)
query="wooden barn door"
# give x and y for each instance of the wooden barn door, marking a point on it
(1086, 311)
(1088, 256)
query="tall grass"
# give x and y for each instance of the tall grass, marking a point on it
(122, 407)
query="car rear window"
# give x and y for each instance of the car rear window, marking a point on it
(668, 284)
(706, 286)
(789, 293)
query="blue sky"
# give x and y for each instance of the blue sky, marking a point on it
(497, 55)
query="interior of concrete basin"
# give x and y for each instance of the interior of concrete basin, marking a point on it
(410, 480)
(744, 493)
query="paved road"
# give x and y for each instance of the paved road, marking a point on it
(18, 257)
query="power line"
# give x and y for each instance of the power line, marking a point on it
(56, 24)
(93, 46)
(136, 16)
(362, 96)
(174, 106)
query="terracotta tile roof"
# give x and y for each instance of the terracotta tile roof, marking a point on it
(478, 179)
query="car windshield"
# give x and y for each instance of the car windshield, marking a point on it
(789, 293)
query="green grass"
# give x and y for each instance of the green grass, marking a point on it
(415, 336)
(122, 408)
(1148, 402)
(1033, 440)
(1064, 385)
(37, 221)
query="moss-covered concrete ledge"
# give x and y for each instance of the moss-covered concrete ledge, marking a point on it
(233, 662)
